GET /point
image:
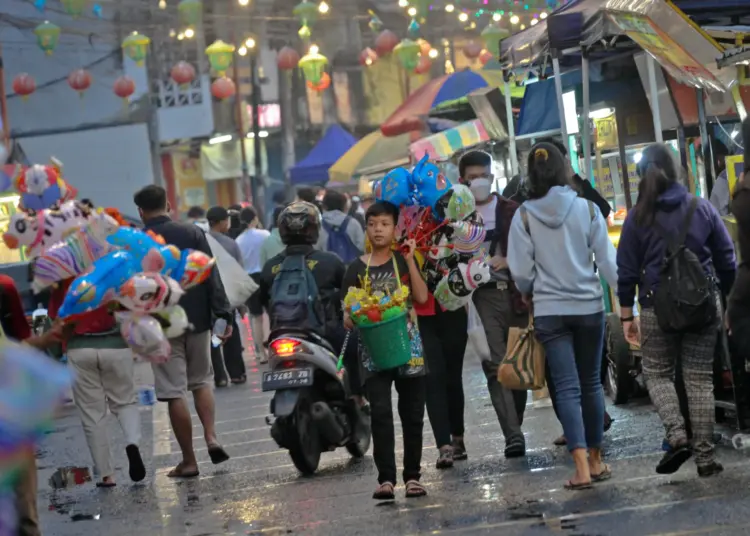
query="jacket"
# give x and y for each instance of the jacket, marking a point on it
(641, 251)
(553, 260)
(207, 301)
(353, 230)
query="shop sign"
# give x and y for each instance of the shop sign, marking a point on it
(735, 169)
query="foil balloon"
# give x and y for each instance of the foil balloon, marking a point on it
(174, 321)
(457, 204)
(144, 335)
(429, 182)
(149, 292)
(157, 256)
(42, 187)
(395, 188)
(193, 269)
(454, 290)
(467, 237)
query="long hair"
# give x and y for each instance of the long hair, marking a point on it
(547, 168)
(657, 170)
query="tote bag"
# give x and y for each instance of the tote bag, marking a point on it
(238, 285)
(523, 366)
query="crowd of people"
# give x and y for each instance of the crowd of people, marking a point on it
(547, 243)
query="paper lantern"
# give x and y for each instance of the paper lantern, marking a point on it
(385, 43)
(407, 52)
(223, 88)
(305, 33)
(190, 11)
(472, 50)
(287, 59)
(313, 67)
(412, 31)
(423, 65)
(424, 47)
(135, 47)
(306, 12)
(220, 56)
(124, 87)
(74, 8)
(182, 73)
(367, 57)
(47, 36)
(80, 80)
(24, 85)
(485, 57)
(325, 83)
(492, 35)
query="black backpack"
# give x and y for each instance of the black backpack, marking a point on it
(685, 300)
(295, 301)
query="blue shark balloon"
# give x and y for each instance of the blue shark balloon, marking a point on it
(429, 182)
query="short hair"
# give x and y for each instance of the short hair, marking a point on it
(248, 215)
(151, 198)
(557, 143)
(382, 208)
(474, 158)
(306, 194)
(279, 197)
(217, 215)
(275, 217)
(334, 200)
(196, 213)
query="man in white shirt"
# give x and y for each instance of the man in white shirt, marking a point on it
(250, 242)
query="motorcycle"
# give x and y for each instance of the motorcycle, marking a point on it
(312, 410)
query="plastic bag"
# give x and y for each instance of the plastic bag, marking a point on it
(238, 285)
(477, 344)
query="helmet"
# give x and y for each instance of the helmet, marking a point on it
(299, 223)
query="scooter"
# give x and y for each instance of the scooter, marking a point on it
(312, 410)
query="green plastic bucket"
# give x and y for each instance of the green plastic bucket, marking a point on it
(387, 342)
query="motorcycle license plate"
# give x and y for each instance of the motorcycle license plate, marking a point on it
(284, 379)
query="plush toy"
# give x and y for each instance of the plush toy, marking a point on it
(149, 292)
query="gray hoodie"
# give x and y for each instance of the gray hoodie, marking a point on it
(353, 230)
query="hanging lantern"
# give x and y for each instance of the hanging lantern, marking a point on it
(124, 87)
(407, 52)
(385, 43)
(74, 8)
(472, 50)
(24, 85)
(325, 83)
(223, 88)
(313, 66)
(47, 36)
(492, 35)
(182, 73)
(367, 57)
(220, 55)
(306, 12)
(485, 57)
(424, 47)
(413, 30)
(135, 47)
(190, 11)
(375, 23)
(423, 65)
(287, 59)
(305, 33)
(80, 80)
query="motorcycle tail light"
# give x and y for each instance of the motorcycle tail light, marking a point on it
(285, 347)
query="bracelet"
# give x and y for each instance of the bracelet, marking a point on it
(627, 319)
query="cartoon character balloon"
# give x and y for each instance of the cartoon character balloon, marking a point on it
(395, 188)
(429, 182)
(174, 321)
(149, 292)
(144, 335)
(456, 204)
(454, 290)
(42, 187)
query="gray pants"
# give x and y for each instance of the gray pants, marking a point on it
(493, 303)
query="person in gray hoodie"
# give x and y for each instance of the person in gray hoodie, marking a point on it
(554, 238)
(339, 232)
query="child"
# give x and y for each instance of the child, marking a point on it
(383, 267)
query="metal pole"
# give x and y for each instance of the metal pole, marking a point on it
(4, 103)
(588, 163)
(654, 94)
(705, 147)
(621, 129)
(511, 127)
(560, 109)
(238, 111)
(255, 103)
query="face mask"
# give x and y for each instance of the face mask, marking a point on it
(480, 188)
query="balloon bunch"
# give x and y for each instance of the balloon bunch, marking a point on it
(42, 187)
(367, 308)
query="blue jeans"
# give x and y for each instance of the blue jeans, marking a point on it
(573, 347)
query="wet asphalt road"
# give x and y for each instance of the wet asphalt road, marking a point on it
(259, 492)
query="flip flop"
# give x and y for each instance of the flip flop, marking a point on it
(137, 470)
(570, 486)
(384, 492)
(415, 489)
(179, 472)
(606, 474)
(240, 380)
(560, 441)
(217, 454)
(106, 484)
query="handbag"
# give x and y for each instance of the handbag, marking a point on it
(523, 365)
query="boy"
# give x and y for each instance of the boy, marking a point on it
(381, 268)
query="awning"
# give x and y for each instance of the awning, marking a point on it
(444, 145)
(314, 167)
(372, 154)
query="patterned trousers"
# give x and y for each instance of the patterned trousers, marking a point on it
(696, 354)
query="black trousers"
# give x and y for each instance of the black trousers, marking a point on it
(444, 337)
(229, 354)
(411, 401)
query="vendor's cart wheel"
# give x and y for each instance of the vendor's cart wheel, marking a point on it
(619, 382)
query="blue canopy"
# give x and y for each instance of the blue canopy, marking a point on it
(314, 167)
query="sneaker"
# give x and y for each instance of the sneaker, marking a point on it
(459, 450)
(445, 459)
(515, 448)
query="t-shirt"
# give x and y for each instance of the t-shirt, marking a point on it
(250, 242)
(487, 211)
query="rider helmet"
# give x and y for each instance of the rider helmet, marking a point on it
(299, 223)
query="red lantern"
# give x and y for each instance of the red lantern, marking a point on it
(182, 73)
(80, 80)
(287, 59)
(472, 50)
(367, 57)
(24, 85)
(485, 57)
(423, 66)
(124, 87)
(325, 83)
(223, 88)
(385, 43)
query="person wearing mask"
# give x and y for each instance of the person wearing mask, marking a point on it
(552, 238)
(189, 367)
(232, 363)
(250, 243)
(666, 212)
(498, 303)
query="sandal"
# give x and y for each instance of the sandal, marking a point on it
(180, 472)
(239, 381)
(415, 489)
(384, 492)
(605, 474)
(445, 459)
(571, 486)
(673, 459)
(217, 454)
(560, 441)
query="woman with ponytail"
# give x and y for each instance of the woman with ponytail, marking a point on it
(554, 238)
(667, 212)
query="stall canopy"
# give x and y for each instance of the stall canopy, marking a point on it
(444, 145)
(314, 167)
(373, 154)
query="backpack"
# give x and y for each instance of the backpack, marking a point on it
(684, 300)
(295, 301)
(339, 241)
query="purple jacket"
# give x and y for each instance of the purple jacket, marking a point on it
(641, 249)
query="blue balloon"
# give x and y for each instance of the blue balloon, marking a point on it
(40, 5)
(429, 182)
(97, 10)
(395, 188)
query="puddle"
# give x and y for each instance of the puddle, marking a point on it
(68, 477)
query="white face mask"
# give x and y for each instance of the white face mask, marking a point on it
(480, 188)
